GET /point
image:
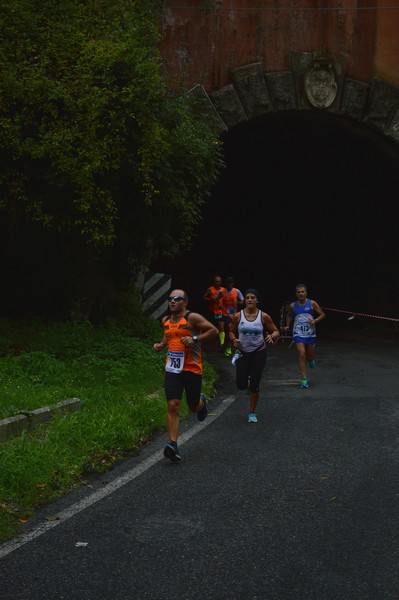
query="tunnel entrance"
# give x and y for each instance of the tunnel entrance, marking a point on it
(306, 196)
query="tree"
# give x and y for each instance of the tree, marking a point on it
(102, 166)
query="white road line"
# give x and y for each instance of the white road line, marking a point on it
(109, 488)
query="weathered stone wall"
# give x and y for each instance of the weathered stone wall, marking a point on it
(315, 82)
(204, 40)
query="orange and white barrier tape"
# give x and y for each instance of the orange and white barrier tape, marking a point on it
(354, 314)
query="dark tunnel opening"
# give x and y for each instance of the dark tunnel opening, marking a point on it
(305, 197)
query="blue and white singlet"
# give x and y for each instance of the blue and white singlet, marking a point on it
(302, 330)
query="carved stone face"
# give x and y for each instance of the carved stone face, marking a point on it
(320, 84)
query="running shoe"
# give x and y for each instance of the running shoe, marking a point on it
(311, 364)
(204, 411)
(237, 354)
(172, 451)
(252, 418)
(304, 383)
(227, 351)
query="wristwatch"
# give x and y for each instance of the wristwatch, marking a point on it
(195, 338)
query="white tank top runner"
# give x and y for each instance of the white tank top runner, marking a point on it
(250, 333)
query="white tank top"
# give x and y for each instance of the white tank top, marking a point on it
(250, 333)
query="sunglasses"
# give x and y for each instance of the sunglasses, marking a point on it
(175, 298)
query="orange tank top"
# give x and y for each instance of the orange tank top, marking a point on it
(230, 302)
(216, 306)
(191, 356)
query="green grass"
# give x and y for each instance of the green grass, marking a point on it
(119, 380)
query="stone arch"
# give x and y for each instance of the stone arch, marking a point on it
(317, 81)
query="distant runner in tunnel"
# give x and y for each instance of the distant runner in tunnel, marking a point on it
(306, 313)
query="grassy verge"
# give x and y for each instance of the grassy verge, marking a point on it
(119, 380)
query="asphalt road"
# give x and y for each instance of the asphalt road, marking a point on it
(303, 504)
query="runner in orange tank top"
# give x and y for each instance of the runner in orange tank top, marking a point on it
(232, 301)
(192, 353)
(213, 296)
(183, 333)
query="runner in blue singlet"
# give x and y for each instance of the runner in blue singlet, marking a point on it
(306, 313)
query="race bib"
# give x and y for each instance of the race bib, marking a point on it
(302, 327)
(174, 361)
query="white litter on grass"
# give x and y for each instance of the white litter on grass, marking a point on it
(79, 544)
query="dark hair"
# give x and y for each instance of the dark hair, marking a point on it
(254, 292)
(301, 285)
(229, 279)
